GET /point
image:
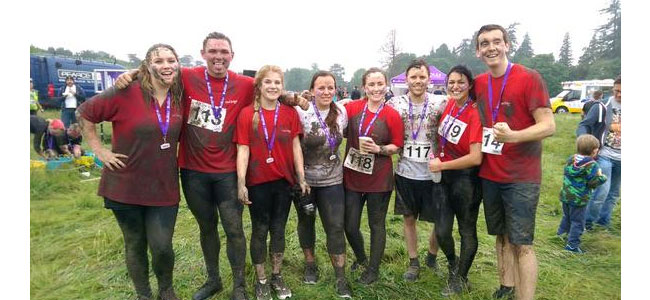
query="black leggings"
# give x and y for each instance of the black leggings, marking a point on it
(377, 208)
(210, 197)
(460, 195)
(269, 211)
(330, 201)
(144, 226)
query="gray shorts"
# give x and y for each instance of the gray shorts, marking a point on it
(510, 210)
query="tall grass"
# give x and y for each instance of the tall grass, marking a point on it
(77, 248)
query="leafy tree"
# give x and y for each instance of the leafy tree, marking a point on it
(610, 32)
(525, 50)
(339, 72)
(199, 63)
(297, 79)
(400, 63)
(356, 78)
(566, 54)
(134, 60)
(466, 53)
(512, 38)
(550, 71)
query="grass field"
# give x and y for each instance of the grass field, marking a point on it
(76, 248)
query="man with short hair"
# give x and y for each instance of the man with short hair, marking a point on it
(420, 112)
(515, 113)
(603, 199)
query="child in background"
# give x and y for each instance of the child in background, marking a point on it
(581, 175)
(74, 140)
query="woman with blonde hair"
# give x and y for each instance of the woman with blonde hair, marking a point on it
(140, 180)
(269, 162)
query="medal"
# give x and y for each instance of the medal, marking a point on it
(164, 127)
(333, 157)
(270, 143)
(215, 111)
(330, 139)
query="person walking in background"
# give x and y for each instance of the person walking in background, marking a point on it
(516, 116)
(604, 198)
(72, 96)
(581, 175)
(34, 105)
(139, 180)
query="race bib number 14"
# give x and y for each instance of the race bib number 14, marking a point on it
(201, 115)
(490, 145)
(359, 162)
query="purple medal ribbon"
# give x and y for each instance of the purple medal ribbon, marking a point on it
(164, 127)
(446, 129)
(414, 134)
(372, 121)
(269, 144)
(215, 111)
(495, 111)
(324, 127)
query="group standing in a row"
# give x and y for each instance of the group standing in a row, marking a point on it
(240, 144)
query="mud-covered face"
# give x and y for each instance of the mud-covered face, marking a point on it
(458, 86)
(492, 48)
(375, 87)
(217, 54)
(164, 66)
(271, 87)
(417, 80)
(324, 89)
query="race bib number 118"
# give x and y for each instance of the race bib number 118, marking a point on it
(359, 162)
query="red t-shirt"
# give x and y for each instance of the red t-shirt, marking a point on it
(525, 91)
(150, 177)
(288, 127)
(203, 149)
(387, 129)
(473, 132)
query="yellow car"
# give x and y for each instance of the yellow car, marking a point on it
(576, 93)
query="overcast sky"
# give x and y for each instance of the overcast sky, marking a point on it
(298, 33)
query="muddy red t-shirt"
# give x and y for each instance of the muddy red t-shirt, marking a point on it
(288, 127)
(206, 142)
(525, 91)
(473, 132)
(150, 177)
(387, 129)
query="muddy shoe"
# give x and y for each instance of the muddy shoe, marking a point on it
(356, 265)
(208, 289)
(239, 293)
(343, 289)
(368, 276)
(412, 273)
(168, 295)
(311, 273)
(263, 291)
(504, 292)
(455, 285)
(280, 288)
(433, 264)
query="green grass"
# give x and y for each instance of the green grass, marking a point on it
(76, 249)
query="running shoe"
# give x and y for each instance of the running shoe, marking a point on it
(208, 289)
(311, 273)
(412, 273)
(263, 291)
(280, 288)
(343, 289)
(504, 292)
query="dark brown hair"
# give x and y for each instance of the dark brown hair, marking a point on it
(217, 36)
(490, 27)
(334, 110)
(373, 70)
(145, 76)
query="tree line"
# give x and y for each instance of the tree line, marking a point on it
(601, 59)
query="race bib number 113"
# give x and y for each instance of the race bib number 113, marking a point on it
(201, 115)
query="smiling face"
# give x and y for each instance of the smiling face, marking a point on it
(375, 86)
(217, 54)
(271, 86)
(417, 80)
(324, 89)
(492, 48)
(458, 86)
(163, 66)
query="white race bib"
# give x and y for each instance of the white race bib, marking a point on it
(490, 145)
(201, 115)
(359, 162)
(455, 132)
(416, 151)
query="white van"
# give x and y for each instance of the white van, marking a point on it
(575, 93)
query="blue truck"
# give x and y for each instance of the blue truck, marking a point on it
(48, 73)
